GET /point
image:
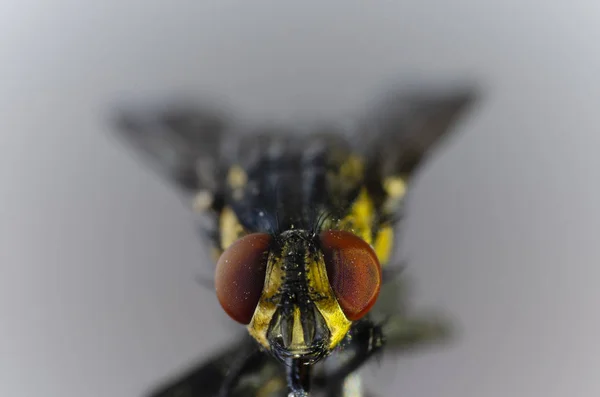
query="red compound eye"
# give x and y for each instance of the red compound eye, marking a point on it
(353, 271)
(240, 276)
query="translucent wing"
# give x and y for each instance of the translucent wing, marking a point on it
(179, 139)
(403, 127)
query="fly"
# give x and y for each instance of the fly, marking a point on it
(302, 229)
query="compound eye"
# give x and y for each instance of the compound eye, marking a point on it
(240, 276)
(353, 271)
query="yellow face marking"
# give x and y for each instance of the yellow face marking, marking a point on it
(265, 310)
(327, 304)
(298, 342)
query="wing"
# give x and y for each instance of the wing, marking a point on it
(404, 126)
(402, 129)
(179, 139)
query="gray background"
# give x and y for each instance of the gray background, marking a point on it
(98, 256)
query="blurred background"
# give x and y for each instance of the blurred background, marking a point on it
(98, 257)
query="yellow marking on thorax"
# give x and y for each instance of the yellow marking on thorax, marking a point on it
(395, 187)
(360, 218)
(352, 170)
(384, 244)
(237, 177)
(343, 180)
(360, 221)
(230, 228)
(202, 201)
(237, 180)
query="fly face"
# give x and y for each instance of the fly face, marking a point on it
(298, 291)
(301, 227)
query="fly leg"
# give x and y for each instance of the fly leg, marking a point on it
(220, 373)
(245, 361)
(298, 378)
(397, 334)
(365, 340)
